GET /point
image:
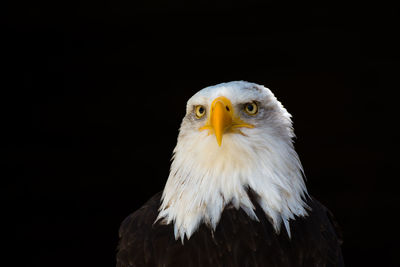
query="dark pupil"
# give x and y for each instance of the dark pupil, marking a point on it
(201, 110)
(250, 107)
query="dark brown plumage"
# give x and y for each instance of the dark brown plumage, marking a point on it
(237, 241)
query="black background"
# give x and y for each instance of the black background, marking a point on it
(94, 92)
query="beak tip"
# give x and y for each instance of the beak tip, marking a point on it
(219, 141)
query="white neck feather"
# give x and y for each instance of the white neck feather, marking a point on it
(204, 178)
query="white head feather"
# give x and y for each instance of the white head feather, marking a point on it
(205, 177)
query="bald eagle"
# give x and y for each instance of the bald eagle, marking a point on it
(235, 195)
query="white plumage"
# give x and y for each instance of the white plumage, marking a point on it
(205, 177)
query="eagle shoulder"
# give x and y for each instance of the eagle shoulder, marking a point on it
(135, 248)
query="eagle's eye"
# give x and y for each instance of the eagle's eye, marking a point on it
(200, 111)
(251, 108)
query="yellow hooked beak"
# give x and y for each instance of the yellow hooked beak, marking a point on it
(222, 119)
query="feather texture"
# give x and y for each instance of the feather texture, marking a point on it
(237, 240)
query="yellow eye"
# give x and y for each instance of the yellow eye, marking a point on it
(200, 111)
(251, 108)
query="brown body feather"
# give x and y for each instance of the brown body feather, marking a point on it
(237, 241)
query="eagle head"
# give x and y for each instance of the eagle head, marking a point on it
(234, 136)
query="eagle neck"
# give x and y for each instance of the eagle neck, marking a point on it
(205, 178)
